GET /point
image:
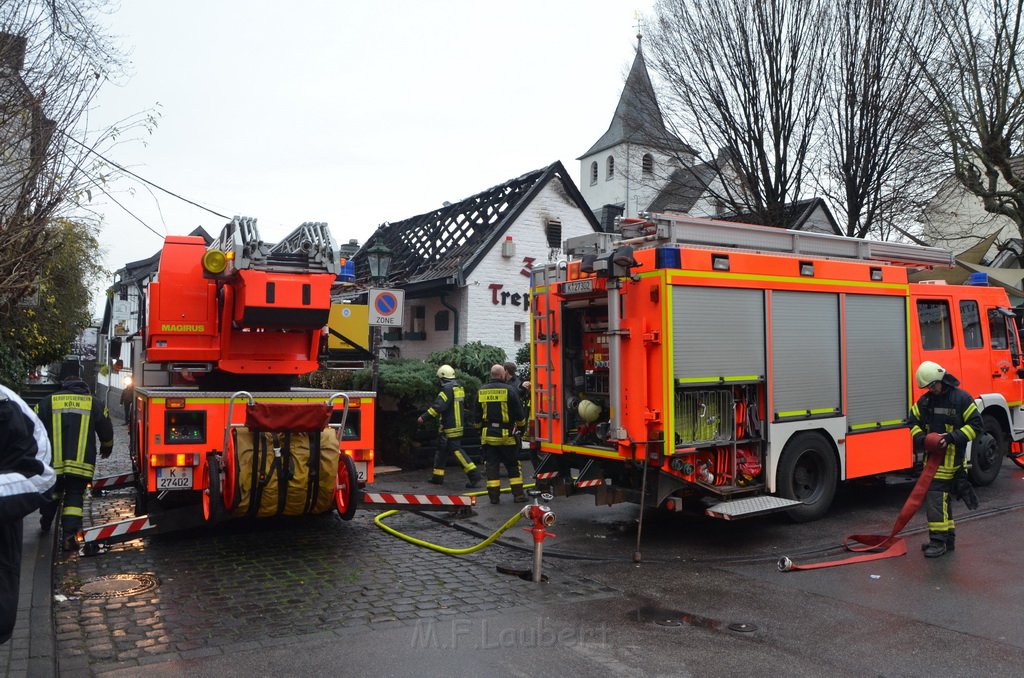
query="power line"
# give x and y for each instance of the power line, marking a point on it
(142, 179)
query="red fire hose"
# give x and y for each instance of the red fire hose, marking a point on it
(876, 546)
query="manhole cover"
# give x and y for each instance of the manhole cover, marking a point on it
(116, 585)
(742, 627)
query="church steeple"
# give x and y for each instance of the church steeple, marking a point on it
(637, 117)
(625, 169)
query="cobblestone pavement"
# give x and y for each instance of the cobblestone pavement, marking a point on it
(249, 584)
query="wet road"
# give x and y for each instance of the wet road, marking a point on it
(305, 597)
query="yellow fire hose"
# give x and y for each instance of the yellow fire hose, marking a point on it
(379, 522)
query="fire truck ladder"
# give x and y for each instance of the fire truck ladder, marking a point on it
(307, 249)
(670, 228)
(544, 388)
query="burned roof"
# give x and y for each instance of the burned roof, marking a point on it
(445, 245)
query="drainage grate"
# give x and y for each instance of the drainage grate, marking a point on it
(116, 585)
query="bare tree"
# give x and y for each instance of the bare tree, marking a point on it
(878, 163)
(746, 76)
(977, 89)
(53, 60)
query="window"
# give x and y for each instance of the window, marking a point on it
(971, 320)
(647, 164)
(593, 173)
(519, 333)
(122, 293)
(997, 330)
(611, 168)
(936, 331)
(553, 231)
(441, 321)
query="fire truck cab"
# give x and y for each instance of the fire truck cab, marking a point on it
(751, 368)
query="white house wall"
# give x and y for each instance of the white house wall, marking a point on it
(628, 185)
(956, 220)
(496, 294)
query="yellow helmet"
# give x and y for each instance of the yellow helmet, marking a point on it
(928, 373)
(589, 411)
(445, 372)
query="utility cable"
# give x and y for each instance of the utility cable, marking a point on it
(142, 179)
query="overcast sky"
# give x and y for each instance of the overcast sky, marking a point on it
(353, 113)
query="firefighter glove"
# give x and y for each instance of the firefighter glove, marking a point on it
(105, 454)
(965, 491)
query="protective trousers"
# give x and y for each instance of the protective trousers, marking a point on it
(10, 574)
(72, 489)
(447, 447)
(495, 456)
(939, 510)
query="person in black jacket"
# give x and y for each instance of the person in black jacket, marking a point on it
(73, 419)
(449, 409)
(949, 410)
(501, 416)
(25, 474)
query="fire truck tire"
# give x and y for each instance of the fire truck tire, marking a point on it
(987, 459)
(346, 496)
(213, 504)
(808, 472)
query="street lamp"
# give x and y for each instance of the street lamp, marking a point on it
(378, 258)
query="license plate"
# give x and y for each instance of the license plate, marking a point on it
(174, 478)
(361, 471)
(578, 286)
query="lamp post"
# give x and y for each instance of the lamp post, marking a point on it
(378, 258)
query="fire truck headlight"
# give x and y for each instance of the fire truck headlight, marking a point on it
(214, 261)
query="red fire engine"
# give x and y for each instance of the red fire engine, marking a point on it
(751, 368)
(217, 421)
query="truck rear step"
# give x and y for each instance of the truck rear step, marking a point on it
(751, 506)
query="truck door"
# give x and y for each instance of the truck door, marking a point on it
(1004, 352)
(935, 322)
(976, 367)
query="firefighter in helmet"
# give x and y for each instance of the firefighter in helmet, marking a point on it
(950, 411)
(73, 418)
(449, 410)
(501, 413)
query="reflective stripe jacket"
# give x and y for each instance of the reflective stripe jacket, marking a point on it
(448, 408)
(952, 412)
(500, 411)
(74, 419)
(25, 471)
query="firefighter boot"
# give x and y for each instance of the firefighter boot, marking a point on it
(934, 548)
(518, 496)
(437, 477)
(494, 494)
(473, 479)
(70, 543)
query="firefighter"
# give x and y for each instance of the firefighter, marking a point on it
(25, 474)
(448, 409)
(501, 413)
(73, 419)
(950, 411)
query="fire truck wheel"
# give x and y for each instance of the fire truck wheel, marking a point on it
(987, 455)
(808, 472)
(346, 496)
(213, 505)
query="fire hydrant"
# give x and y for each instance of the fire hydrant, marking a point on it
(542, 518)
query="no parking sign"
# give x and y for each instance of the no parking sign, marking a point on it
(386, 307)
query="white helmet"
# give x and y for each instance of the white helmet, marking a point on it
(446, 372)
(589, 411)
(928, 373)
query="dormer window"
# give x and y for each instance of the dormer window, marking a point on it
(647, 164)
(593, 173)
(611, 168)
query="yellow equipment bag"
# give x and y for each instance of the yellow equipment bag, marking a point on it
(285, 474)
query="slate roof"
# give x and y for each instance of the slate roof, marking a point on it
(796, 214)
(637, 117)
(683, 189)
(443, 247)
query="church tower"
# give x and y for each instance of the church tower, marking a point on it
(627, 167)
